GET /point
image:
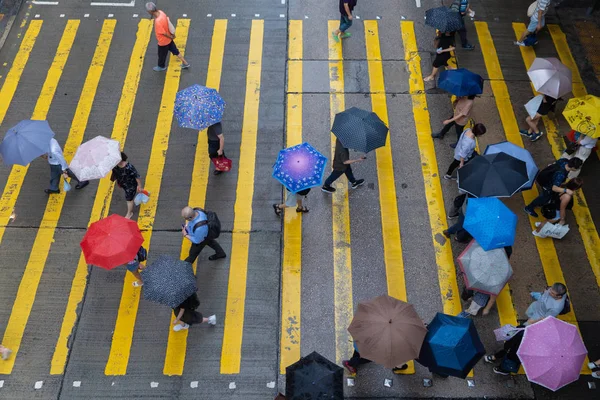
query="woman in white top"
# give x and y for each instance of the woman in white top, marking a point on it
(465, 148)
(586, 145)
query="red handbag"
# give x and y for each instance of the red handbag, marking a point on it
(222, 163)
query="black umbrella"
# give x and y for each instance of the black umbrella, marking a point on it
(314, 377)
(443, 19)
(493, 175)
(168, 281)
(360, 130)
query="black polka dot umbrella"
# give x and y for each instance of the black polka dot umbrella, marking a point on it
(360, 130)
(168, 281)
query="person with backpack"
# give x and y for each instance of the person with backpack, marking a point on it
(555, 212)
(551, 179)
(552, 302)
(533, 133)
(202, 228)
(509, 360)
(186, 314)
(463, 8)
(537, 21)
(135, 267)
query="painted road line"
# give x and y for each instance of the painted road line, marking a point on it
(340, 212)
(291, 269)
(231, 352)
(45, 234)
(120, 349)
(177, 343)
(104, 193)
(587, 228)
(102, 4)
(546, 249)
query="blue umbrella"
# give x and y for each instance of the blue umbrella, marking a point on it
(299, 167)
(519, 153)
(198, 107)
(26, 141)
(490, 223)
(451, 346)
(461, 82)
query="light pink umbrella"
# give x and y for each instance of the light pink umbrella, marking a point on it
(552, 353)
(95, 158)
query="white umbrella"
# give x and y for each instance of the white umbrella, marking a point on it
(95, 158)
(551, 77)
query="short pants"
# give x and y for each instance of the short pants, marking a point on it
(291, 199)
(133, 266)
(533, 22)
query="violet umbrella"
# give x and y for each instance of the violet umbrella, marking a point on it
(299, 167)
(552, 353)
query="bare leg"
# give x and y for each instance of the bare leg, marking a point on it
(138, 277)
(181, 58)
(129, 210)
(524, 35)
(533, 123)
(489, 304)
(539, 228)
(432, 75)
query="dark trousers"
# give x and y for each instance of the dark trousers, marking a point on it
(357, 360)
(452, 167)
(459, 129)
(55, 173)
(462, 32)
(163, 51)
(197, 248)
(543, 199)
(335, 174)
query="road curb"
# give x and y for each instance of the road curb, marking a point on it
(9, 11)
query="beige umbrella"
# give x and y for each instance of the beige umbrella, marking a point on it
(387, 331)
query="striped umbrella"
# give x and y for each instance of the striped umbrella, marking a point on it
(360, 130)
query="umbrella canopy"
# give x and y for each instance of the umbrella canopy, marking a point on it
(95, 158)
(26, 141)
(461, 82)
(198, 107)
(299, 167)
(360, 130)
(387, 331)
(314, 377)
(551, 77)
(451, 347)
(519, 153)
(552, 353)
(111, 242)
(443, 19)
(490, 222)
(485, 271)
(493, 175)
(169, 281)
(583, 115)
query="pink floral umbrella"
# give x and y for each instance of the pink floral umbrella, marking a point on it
(95, 158)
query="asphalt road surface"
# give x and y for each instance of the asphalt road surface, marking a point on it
(289, 285)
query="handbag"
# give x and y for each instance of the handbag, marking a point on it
(532, 8)
(509, 365)
(506, 332)
(556, 231)
(66, 186)
(222, 163)
(141, 198)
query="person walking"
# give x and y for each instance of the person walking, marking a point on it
(458, 210)
(346, 7)
(555, 212)
(165, 33)
(356, 360)
(463, 8)
(444, 44)
(462, 109)
(291, 200)
(128, 179)
(551, 179)
(509, 360)
(5, 352)
(186, 314)
(134, 266)
(58, 167)
(537, 20)
(341, 166)
(216, 142)
(197, 230)
(549, 303)
(533, 133)
(465, 148)
(584, 147)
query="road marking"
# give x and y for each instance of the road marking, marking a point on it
(101, 4)
(240, 239)
(418, 3)
(177, 343)
(546, 249)
(340, 212)
(390, 221)
(118, 358)
(45, 3)
(45, 234)
(103, 196)
(291, 275)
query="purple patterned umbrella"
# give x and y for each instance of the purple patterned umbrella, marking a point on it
(299, 167)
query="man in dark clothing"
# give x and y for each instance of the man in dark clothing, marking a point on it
(563, 167)
(509, 360)
(216, 141)
(199, 235)
(341, 165)
(463, 8)
(346, 7)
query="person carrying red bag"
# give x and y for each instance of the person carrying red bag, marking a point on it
(216, 142)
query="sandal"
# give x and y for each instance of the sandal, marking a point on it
(302, 210)
(277, 210)
(137, 284)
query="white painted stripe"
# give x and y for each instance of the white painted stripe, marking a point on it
(62, 15)
(208, 15)
(281, 15)
(111, 15)
(37, 15)
(282, 1)
(86, 15)
(130, 4)
(418, 3)
(45, 3)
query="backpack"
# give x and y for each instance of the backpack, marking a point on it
(530, 40)
(212, 220)
(142, 254)
(544, 177)
(567, 307)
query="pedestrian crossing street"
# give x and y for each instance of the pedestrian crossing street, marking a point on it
(19, 307)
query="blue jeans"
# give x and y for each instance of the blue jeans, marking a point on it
(55, 174)
(345, 23)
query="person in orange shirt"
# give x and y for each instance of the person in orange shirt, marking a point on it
(165, 33)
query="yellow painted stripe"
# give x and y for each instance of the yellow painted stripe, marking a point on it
(120, 349)
(390, 222)
(177, 343)
(546, 249)
(104, 193)
(291, 274)
(45, 234)
(340, 213)
(231, 352)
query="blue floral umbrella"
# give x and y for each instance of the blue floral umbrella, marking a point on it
(198, 107)
(299, 167)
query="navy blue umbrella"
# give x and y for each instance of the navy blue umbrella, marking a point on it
(360, 130)
(451, 347)
(443, 19)
(461, 82)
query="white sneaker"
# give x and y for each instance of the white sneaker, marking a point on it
(6, 353)
(179, 327)
(519, 43)
(592, 365)
(536, 233)
(537, 224)
(212, 320)
(596, 374)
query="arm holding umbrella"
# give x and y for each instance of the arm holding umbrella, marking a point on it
(348, 162)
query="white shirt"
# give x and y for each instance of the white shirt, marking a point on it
(55, 156)
(588, 142)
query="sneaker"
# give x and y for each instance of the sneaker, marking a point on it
(398, 370)
(50, 191)
(593, 365)
(519, 43)
(328, 189)
(6, 353)
(536, 136)
(489, 359)
(530, 212)
(212, 320)
(453, 216)
(159, 69)
(185, 66)
(447, 177)
(335, 37)
(180, 327)
(498, 371)
(525, 132)
(217, 172)
(537, 224)
(447, 234)
(437, 135)
(346, 35)
(468, 46)
(357, 183)
(453, 145)
(81, 185)
(349, 367)
(536, 233)
(217, 256)
(596, 374)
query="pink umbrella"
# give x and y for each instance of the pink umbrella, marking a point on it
(552, 353)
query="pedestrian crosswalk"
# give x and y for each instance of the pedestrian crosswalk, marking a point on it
(344, 233)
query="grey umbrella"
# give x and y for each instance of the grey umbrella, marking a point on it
(551, 77)
(168, 281)
(485, 271)
(26, 141)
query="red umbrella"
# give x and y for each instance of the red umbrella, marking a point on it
(111, 242)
